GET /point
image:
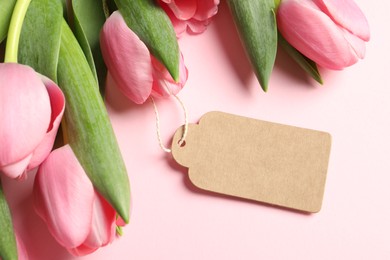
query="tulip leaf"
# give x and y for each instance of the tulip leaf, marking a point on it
(88, 126)
(149, 21)
(88, 20)
(40, 37)
(8, 248)
(256, 23)
(6, 8)
(305, 63)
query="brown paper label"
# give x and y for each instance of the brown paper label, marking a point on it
(258, 160)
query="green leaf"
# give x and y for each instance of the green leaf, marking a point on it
(8, 248)
(88, 126)
(256, 23)
(88, 20)
(40, 37)
(6, 8)
(305, 63)
(153, 27)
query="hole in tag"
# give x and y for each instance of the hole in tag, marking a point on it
(181, 143)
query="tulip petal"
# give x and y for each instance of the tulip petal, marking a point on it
(206, 9)
(25, 108)
(127, 58)
(103, 228)
(22, 252)
(183, 9)
(357, 44)
(64, 197)
(82, 250)
(57, 101)
(120, 222)
(103, 224)
(314, 34)
(348, 15)
(198, 27)
(180, 26)
(16, 170)
(164, 85)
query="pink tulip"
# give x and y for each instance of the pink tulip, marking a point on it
(330, 32)
(193, 15)
(134, 70)
(31, 109)
(76, 215)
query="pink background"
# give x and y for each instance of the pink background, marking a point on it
(171, 219)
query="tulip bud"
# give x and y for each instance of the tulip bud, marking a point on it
(136, 72)
(31, 104)
(61, 185)
(332, 33)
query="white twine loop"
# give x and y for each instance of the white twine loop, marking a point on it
(158, 130)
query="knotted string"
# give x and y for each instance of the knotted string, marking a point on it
(158, 130)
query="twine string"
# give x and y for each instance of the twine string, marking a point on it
(158, 127)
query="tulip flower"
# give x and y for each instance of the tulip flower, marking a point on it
(134, 70)
(30, 113)
(64, 197)
(192, 15)
(332, 33)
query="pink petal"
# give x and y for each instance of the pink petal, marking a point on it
(206, 9)
(348, 15)
(120, 222)
(183, 9)
(24, 112)
(103, 224)
(314, 34)
(22, 252)
(64, 197)
(57, 102)
(164, 85)
(103, 228)
(82, 250)
(127, 58)
(198, 27)
(16, 170)
(180, 26)
(356, 43)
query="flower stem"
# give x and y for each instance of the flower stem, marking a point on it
(20, 10)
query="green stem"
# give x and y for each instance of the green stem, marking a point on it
(11, 52)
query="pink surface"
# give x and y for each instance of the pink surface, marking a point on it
(173, 220)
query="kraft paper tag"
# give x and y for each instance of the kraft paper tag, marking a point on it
(257, 160)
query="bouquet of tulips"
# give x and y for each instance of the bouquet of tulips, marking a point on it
(57, 55)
